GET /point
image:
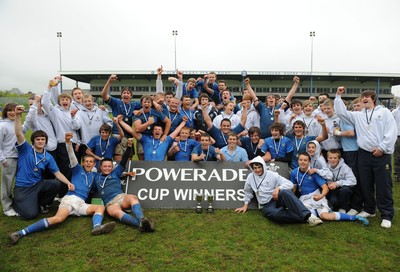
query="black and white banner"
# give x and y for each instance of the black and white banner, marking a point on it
(175, 185)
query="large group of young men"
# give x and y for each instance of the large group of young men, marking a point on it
(340, 160)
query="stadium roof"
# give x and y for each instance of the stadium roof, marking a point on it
(89, 75)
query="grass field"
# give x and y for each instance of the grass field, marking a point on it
(186, 241)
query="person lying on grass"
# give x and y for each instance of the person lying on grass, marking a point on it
(73, 203)
(274, 193)
(109, 186)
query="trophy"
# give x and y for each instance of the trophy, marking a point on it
(199, 199)
(210, 200)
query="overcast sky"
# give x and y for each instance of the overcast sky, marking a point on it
(253, 35)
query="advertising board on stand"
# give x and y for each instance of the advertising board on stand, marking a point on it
(177, 185)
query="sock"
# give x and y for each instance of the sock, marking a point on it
(97, 219)
(137, 211)
(130, 220)
(344, 217)
(35, 227)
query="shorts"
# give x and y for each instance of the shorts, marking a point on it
(117, 200)
(121, 147)
(315, 207)
(74, 204)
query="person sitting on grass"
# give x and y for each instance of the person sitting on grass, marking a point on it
(309, 186)
(274, 193)
(342, 183)
(108, 185)
(31, 190)
(73, 203)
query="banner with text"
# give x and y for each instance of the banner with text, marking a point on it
(175, 185)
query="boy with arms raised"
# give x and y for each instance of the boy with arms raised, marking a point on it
(376, 136)
(73, 203)
(154, 147)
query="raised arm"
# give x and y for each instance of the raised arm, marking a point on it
(174, 134)
(179, 86)
(296, 82)
(18, 125)
(167, 128)
(207, 118)
(46, 103)
(324, 134)
(106, 88)
(251, 92)
(340, 107)
(73, 161)
(243, 118)
(120, 130)
(159, 83)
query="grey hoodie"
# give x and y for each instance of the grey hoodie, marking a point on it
(318, 161)
(263, 185)
(342, 174)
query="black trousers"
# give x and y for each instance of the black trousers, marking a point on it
(376, 183)
(28, 199)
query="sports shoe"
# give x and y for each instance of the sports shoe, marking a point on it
(11, 213)
(44, 209)
(313, 220)
(352, 212)
(386, 224)
(362, 220)
(342, 210)
(146, 225)
(365, 214)
(106, 228)
(14, 237)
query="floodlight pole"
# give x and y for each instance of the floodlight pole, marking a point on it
(312, 35)
(59, 36)
(175, 33)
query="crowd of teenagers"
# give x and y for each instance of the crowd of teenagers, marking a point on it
(339, 159)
